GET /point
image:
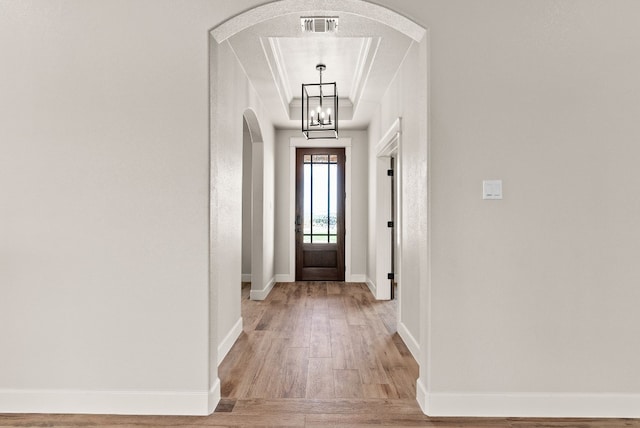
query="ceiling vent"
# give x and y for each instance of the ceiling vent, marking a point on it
(319, 24)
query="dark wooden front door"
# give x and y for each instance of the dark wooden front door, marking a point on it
(320, 214)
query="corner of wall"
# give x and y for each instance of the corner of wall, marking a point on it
(214, 396)
(422, 396)
(409, 340)
(229, 339)
(372, 286)
(264, 292)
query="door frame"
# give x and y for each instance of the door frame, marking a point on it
(301, 142)
(390, 145)
(307, 273)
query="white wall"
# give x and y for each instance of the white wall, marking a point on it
(359, 203)
(104, 206)
(103, 235)
(104, 228)
(402, 100)
(233, 96)
(533, 298)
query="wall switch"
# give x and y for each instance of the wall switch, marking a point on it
(492, 189)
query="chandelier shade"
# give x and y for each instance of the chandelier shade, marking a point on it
(320, 108)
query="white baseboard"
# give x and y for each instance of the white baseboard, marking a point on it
(357, 278)
(285, 277)
(214, 396)
(372, 286)
(549, 405)
(421, 396)
(225, 346)
(245, 277)
(409, 340)
(193, 403)
(262, 294)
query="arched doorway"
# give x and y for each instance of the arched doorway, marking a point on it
(219, 36)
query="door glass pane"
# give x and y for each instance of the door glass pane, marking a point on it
(319, 192)
(306, 225)
(320, 223)
(333, 202)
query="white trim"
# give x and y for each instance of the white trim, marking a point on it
(285, 277)
(262, 294)
(214, 396)
(357, 277)
(196, 403)
(345, 104)
(245, 277)
(422, 396)
(390, 145)
(280, 75)
(551, 405)
(372, 286)
(387, 144)
(279, 8)
(225, 346)
(294, 143)
(409, 340)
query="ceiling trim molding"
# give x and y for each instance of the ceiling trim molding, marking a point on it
(282, 76)
(357, 81)
(279, 8)
(346, 109)
(363, 70)
(273, 55)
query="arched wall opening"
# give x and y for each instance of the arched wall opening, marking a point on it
(247, 202)
(226, 101)
(253, 154)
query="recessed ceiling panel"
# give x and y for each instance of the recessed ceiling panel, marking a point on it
(362, 57)
(297, 59)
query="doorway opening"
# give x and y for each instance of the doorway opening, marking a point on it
(225, 166)
(247, 201)
(389, 225)
(393, 228)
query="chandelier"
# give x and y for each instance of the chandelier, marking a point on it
(320, 108)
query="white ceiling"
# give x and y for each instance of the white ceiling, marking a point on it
(362, 57)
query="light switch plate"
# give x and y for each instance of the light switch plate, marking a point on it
(492, 189)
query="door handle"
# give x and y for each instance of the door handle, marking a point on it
(298, 221)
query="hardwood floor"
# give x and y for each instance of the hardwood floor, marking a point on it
(317, 354)
(318, 340)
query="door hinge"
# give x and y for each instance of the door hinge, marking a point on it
(389, 224)
(390, 276)
(390, 172)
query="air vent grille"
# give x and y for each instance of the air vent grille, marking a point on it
(319, 24)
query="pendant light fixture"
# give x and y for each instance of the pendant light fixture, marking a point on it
(320, 108)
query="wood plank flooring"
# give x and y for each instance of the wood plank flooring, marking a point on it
(315, 354)
(318, 340)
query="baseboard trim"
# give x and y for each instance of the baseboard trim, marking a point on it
(165, 403)
(262, 294)
(357, 278)
(372, 286)
(225, 346)
(245, 277)
(422, 396)
(285, 277)
(214, 396)
(409, 340)
(532, 405)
